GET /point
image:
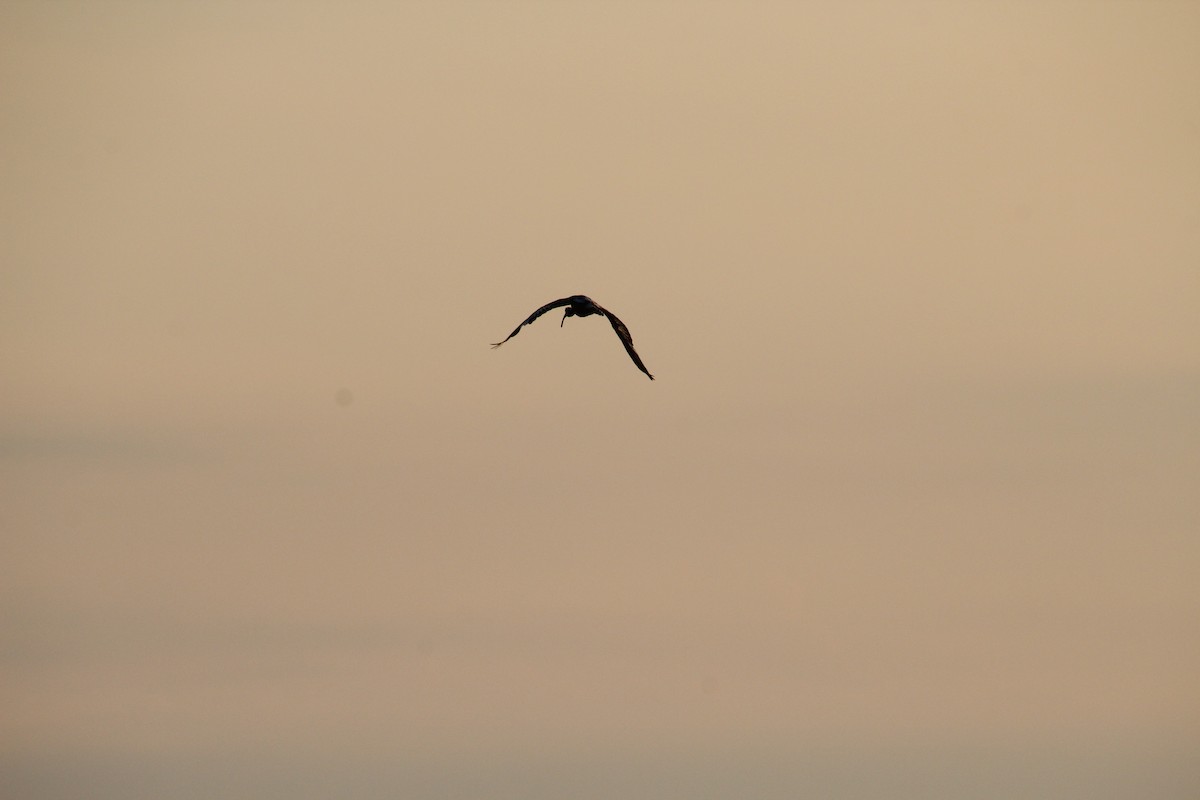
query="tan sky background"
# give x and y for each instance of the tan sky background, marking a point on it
(910, 512)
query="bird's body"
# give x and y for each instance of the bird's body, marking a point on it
(582, 306)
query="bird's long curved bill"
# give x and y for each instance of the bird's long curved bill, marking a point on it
(564, 319)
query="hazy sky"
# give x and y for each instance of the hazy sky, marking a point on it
(910, 512)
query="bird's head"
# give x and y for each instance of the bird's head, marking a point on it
(570, 312)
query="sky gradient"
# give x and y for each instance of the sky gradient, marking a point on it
(910, 511)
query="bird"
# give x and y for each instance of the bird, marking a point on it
(579, 305)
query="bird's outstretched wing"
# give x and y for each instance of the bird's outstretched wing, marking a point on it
(548, 307)
(626, 339)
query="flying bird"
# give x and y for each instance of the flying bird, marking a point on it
(580, 306)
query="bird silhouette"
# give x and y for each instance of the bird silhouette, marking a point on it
(580, 306)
